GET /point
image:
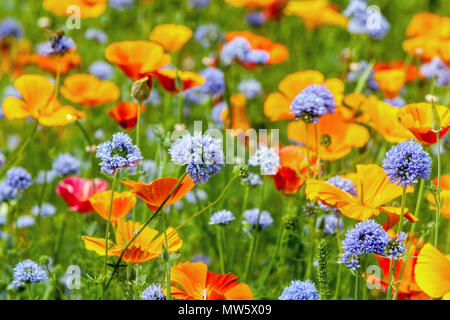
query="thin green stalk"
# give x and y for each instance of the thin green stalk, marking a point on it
(438, 193)
(366, 288)
(108, 222)
(220, 246)
(402, 210)
(166, 255)
(307, 149)
(30, 295)
(356, 286)
(316, 132)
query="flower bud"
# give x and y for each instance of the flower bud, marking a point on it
(140, 90)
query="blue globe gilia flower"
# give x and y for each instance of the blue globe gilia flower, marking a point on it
(313, 102)
(300, 290)
(28, 271)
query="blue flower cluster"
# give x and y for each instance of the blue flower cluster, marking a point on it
(214, 81)
(194, 97)
(239, 48)
(256, 19)
(153, 292)
(118, 154)
(437, 69)
(313, 102)
(96, 34)
(10, 27)
(208, 34)
(406, 162)
(300, 290)
(28, 271)
(199, 4)
(25, 221)
(121, 5)
(221, 217)
(202, 154)
(57, 45)
(330, 222)
(17, 179)
(252, 180)
(251, 215)
(396, 246)
(47, 210)
(265, 158)
(101, 70)
(250, 88)
(65, 164)
(366, 20)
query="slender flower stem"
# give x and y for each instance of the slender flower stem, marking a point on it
(220, 246)
(58, 76)
(278, 244)
(19, 151)
(166, 255)
(366, 289)
(30, 295)
(402, 210)
(108, 222)
(338, 279)
(438, 193)
(116, 266)
(356, 286)
(316, 132)
(307, 149)
(138, 125)
(240, 217)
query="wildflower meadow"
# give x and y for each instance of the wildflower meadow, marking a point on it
(224, 150)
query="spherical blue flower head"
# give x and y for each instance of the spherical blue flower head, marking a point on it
(253, 179)
(47, 210)
(221, 217)
(250, 88)
(96, 34)
(356, 9)
(257, 57)
(57, 45)
(406, 162)
(201, 257)
(379, 29)
(118, 154)
(238, 48)
(365, 21)
(214, 81)
(267, 159)
(396, 247)
(313, 102)
(7, 192)
(256, 19)
(10, 27)
(153, 292)
(24, 222)
(330, 224)
(199, 4)
(28, 271)
(101, 70)
(120, 5)
(65, 164)
(438, 69)
(300, 290)
(251, 215)
(396, 102)
(202, 154)
(343, 184)
(208, 34)
(19, 178)
(48, 176)
(366, 237)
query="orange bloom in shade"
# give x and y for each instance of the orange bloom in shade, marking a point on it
(336, 136)
(147, 246)
(355, 106)
(411, 74)
(250, 3)
(445, 182)
(168, 77)
(239, 117)
(39, 101)
(88, 8)
(316, 13)
(293, 169)
(407, 288)
(154, 194)
(373, 188)
(50, 63)
(123, 202)
(384, 119)
(416, 118)
(15, 55)
(277, 52)
(88, 90)
(137, 59)
(193, 281)
(276, 106)
(390, 82)
(126, 113)
(445, 202)
(171, 36)
(433, 272)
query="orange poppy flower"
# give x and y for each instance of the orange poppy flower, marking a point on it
(123, 202)
(88, 90)
(15, 55)
(126, 113)
(373, 188)
(147, 246)
(416, 118)
(137, 59)
(193, 281)
(168, 77)
(277, 52)
(154, 194)
(239, 117)
(433, 272)
(250, 3)
(384, 119)
(445, 202)
(88, 8)
(411, 74)
(336, 138)
(293, 169)
(390, 82)
(171, 36)
(407, 288)
(39, 101)
(275, 10)
(445, 182)
(50, 63)
(276, 106)
(355, 106)
(426, 23)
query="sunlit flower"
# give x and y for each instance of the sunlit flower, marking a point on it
(172, 37)
(88, 8)
(27, 272)
(54, 63)
(126, 113)
(257, 218)
(193, 281)
(300, 290)
(168, 79)
(312, 103)
(38, 102)
(390, 82)
(123, 202)
(147, 246)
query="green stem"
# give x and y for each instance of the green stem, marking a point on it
(30, 295)
(221, 248)
(166, 255)
(307, 149)
(366, 288)
(438, 193)
(356, 286)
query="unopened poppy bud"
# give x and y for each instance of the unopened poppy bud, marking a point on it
(140, 90)
(435, 119)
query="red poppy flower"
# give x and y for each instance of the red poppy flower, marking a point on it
(126, 113)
